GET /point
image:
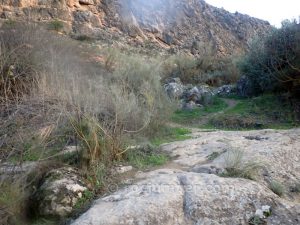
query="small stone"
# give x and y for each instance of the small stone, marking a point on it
(121, 169)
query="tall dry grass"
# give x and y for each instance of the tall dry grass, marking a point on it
(54, 83)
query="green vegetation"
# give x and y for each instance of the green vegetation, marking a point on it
(266, 111)
(256, 220)
(170, 135)
(49, 90)
(56, 25)
(190, 116)
(143, 158)
(12, 202)
(273, 64)
(86, 197)
(277, 188)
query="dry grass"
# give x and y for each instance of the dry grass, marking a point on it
(205, 69)
(237, 166)
(12, 203)
(53, 96)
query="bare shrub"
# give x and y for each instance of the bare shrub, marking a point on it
(205, 69)
(17, 66)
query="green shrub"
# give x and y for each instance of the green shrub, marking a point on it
(273, 64)
(56, 25)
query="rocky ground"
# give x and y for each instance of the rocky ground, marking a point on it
(196, 188)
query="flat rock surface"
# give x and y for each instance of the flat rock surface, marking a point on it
(175, 196)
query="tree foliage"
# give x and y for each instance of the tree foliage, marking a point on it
(273, 63)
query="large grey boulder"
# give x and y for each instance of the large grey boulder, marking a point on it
(174, 88)
(201, 95)
(175, 197)
(193, 194)
(59, 192)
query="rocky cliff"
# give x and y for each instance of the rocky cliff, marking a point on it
(192, 25)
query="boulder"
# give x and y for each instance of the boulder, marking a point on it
(59, 192)
(174, 88)
(225, 90)
(199, 94)
(175, 197)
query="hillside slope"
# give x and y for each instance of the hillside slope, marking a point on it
(171, 25)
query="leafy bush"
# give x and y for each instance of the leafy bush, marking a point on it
(273, 63)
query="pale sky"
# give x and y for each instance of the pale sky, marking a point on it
(273, 11)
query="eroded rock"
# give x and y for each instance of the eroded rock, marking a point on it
(59, 192)
(183, 198)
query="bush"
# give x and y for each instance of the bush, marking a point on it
(17, 61)
(273, 63)
(205, 69)
(236, 166)
(12, 203)
(104, 103)
(55, 85)
(56, 25)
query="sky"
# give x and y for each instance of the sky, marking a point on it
(273, 11)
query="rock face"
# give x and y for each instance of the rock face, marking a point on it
(59, 192)
(189, 25)
(186, 196)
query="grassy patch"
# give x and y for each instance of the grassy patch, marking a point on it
(142, 160)
(263, 112)
(188, 116)
(86, 198)
(12, 203)
(170, 135)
